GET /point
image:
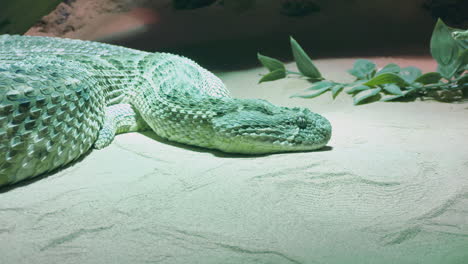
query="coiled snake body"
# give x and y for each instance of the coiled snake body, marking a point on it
(60, 97)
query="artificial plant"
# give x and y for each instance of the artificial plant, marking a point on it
(448, 47)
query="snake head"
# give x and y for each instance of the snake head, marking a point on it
(253, 126)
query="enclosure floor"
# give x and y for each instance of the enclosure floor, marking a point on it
(392, 187)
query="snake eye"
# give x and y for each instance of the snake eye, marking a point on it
(301, 122)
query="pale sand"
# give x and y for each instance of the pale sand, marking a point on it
(392, 188)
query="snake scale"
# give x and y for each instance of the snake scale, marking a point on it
(61, 97)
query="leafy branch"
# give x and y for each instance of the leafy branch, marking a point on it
(448, 47)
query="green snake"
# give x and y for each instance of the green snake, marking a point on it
(61, 97)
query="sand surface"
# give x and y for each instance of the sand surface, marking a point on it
(392, 187)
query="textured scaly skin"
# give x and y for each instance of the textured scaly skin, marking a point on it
(60, 97)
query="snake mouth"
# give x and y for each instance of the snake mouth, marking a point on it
(251, 145)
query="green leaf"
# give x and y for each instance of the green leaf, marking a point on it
(429, 78)
(458, 65)
(387, 98)
(312, 93)
(322, 84)
(448, 71)
(386, 78)
(316, 90)
(391, 67)
(336, 90)
(303, 61)
(444, 48)
(361, 97)
(392, 89)
(357, 89)
(273, 76)
(461, 36)
(363, 69)
(447, 51)
(409, 74)
(270, 63)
